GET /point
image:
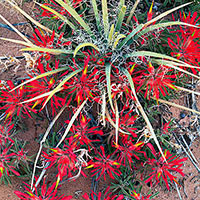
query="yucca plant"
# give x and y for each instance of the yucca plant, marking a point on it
(103, 55)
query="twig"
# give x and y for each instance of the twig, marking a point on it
(188, 155)
(179, 194)
(61, 140)
(176, 105)
(18, 32)
(132, 11)
(43, 141)
(192, 155)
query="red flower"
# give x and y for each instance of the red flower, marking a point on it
(186, 46)
(65, 159)
(103, 196)
(128, 150)
(156, 81)
(5, 134)
(104, 164)
(42, 86)
(189, 19)
(5, 162)
(187, 49)
(84, 86)
(162, 169)
(47, 193)
(126, 122)
(12, 101)
(137, 196)
(166, 127)
(43, 40)
(81, 132)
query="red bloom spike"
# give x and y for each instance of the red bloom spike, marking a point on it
(103, 163)
(162, 169)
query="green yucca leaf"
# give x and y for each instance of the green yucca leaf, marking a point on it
(110, 36)
(120, 18)
(40, 76)
(47, 50)
(39, 97)
(96, 13)
(76, 16)
(174, 65)
(139, 27)
(164, 62)
(18, 42)
(85, 45)
(161, 25)
(120, 36)
(105, 17)
(103, 108)
(165, 14)
(132, 11)
(58, 15)
(71, 123)
(140, 108)
(151, 54)
(181, 64)
(108, 82)
(60, 85)
(29, 17)
(121, 3)
(116, 123)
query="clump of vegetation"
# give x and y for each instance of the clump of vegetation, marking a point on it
(105, 65)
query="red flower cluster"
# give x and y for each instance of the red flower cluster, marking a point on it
(103, 196)
(187, 46)
(104, 164)
(65, 159)
(12, 101)
(46, 41)
(156, 81)
(162, 168)
(43, 192)
(82, 132)
(84, 85)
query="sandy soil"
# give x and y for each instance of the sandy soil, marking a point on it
(81, 185)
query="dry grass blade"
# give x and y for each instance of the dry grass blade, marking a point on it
(112, 123)
(18, 42)
(43, 141)
(20, 34)
(29, 17)
(132, 11)
(140, 108)
(71, 123)
(176, 105)
(103, 108)
(117, 123)
(187, 90)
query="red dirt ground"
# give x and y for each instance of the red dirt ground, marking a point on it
(81, 185)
